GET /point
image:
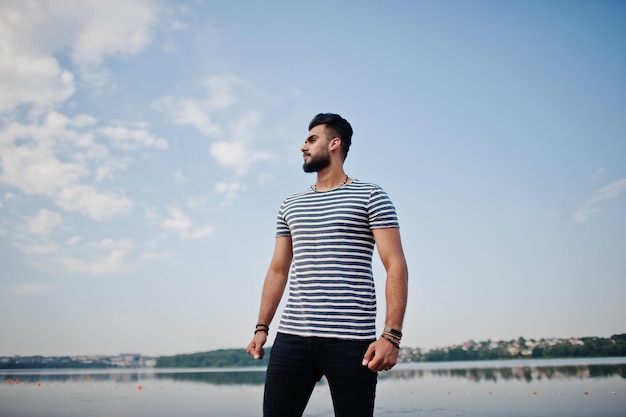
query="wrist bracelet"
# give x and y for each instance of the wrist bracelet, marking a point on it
(263, 328)
(392, 337)
(395, 332)
(396, 343)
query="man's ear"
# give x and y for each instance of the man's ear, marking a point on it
(335, 143)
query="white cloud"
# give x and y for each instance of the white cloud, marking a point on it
(594, 204)
(189, 112)
(73, 241)
(104, 30)
(179, 177)
(236, 155)
(236, 152)
(220, 88)
(264, 177)
(106, 256)
(100, 205)
(29, 73)
(152, 256)
(229, 154)
(198, 232)
(33, 32)
(232, 142)
(106, 169)
(195, 202)
(229, 189)
(52, 158)
(43, 222)
(96, 258)
(244, 128)
(197, 112)
(9, 197)
(29, 288)
(29, 162)
(38, 248)
(56, 159)
(152, 215)
(49, 49)
(178, 222)
(38, 81)
(131, 139)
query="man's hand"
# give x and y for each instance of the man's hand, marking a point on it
(255, 347)
(382, 355)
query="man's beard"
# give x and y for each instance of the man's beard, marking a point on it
(316, 163)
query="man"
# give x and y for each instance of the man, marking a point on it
(326, 236)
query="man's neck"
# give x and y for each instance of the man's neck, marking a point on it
(329, 179)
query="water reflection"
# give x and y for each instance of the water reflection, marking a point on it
(518, 373)
(460, 389)
(218, 378)
(498, 372)
(209, 376)
(24, 377)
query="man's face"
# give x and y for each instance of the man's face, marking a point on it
(315, 150)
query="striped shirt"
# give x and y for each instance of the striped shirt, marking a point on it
(331, 285)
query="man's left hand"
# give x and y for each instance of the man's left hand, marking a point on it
(381, 355)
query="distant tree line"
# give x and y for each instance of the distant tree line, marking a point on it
(592, 347)
(214, 359)
(55, 362)
(586, 347)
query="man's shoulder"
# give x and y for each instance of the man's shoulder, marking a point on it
(298, 195)
(368, 188)
(354, 185)
(365, 184)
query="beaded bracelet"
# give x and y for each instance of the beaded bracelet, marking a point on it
(396, 333)
(394, 342)
(265, 328)
(392, 336)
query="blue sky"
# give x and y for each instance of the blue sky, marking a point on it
(145, 147)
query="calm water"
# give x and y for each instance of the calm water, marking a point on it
(547, 388)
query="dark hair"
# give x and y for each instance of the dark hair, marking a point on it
(338, 126)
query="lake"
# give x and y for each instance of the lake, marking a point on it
(517, 388)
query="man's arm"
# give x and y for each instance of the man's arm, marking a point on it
(382, 354)
(273, 288)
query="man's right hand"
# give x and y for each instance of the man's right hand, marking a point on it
(255, 347)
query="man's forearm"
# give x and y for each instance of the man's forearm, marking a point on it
(273, 289)
(396, 293)
(275, 279)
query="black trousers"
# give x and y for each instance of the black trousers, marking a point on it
(295, 365)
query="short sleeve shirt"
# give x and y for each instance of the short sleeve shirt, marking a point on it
(331, 285)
